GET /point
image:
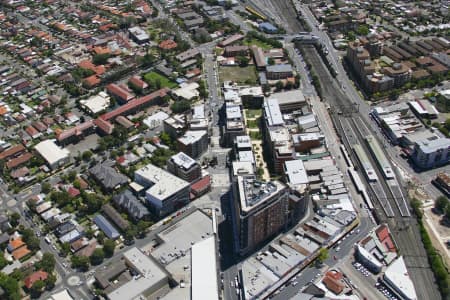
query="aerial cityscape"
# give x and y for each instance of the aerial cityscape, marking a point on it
(224, 149)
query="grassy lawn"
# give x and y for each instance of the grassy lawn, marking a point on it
(252, 113)
(153, 77)
(255, 135)
(258, 43)
(253, 123)
(246, 75)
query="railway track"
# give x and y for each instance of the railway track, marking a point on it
(405, 230)
(377, 191)
(392, 184)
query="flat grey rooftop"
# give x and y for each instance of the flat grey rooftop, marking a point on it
(181, 236)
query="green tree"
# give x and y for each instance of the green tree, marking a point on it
(97, 256)
(65, 249)
(37, 287)
(71, 176)
(242, 61)
(279, 85)
(30, 239)
(130, 234)
(447, 212)
(447, 124)
(46, 187)
(100, 59)
(47, 262)
(142, 227)
(80, 262)
(323, 255)
(351, 36)
(100, 237)
(10, 287)
(289, 85)
(14, 219)
(108, 247)
(180, 106)
(87, 155)
(441, 203)
(3, 261)
(362, 30)
(166, 139)
(416, 206)
(17, 275)
(50, 281)
(92, 201)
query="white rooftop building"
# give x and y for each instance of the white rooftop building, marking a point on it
(165, 192)
(272, 112)
(204, 270)
(295, 172)
(54, 155)
(155, 120)
(139, 35)
(97, 103)
(187, 91)
(398, 279)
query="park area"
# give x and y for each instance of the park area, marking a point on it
(157, 80)
(240, 75)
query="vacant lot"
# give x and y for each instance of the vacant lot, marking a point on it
(159, 81)
(258, 43)
(246, 75)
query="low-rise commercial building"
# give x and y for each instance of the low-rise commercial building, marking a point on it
(165, 192)
(53, 154)
(139, 35)
(149, 277)
(399, 281)
(193, 143)
(184, 167)
(97, 103)
(432, 153)
(276, 72)
(175, 125)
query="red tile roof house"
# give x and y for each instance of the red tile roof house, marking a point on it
(73, 192)
(138, 82)
(33, 132)
(104, 126)
(91, 81)
(168, 45)
(121, 94)
(31, 279)
(18, 161)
